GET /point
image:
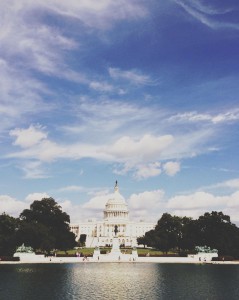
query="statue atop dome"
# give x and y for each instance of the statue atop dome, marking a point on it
(116, 186)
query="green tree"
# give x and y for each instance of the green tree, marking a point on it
(150, 238)
(142, 241)
(8, 228)
(168, 232)
(35, 235)
(216, 231)
(46, 226)
(188, 234)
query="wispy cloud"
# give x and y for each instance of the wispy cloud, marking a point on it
(101, 86)
(100, 15)
(231, 184)
(224, 117)
(42, 46)
(20, 96)
(111, 117)
(34, 49)
(33, 169)
(132, 76)
(207, 13)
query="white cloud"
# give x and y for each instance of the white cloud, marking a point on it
(140, 155)
(90, 209)
(97, 203)
(196, 204)
(233, 200)
(148, 205)
(14, 207)
(233, 183)
(146, 148)
(196, 200)
(71, 188)
(203, 200)
(29, 137)
(73, 210)
(11, 206)
(228, 184)
(78, 213)
(146, 171)
(171, 168)
(190, 213)
(45, 151)
(36, 196)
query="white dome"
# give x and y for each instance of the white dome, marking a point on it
(116, 206)
(116, 198)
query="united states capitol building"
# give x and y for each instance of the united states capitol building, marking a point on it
(116, 213)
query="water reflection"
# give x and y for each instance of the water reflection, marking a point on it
(118, 281)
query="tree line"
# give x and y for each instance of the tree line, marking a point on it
(44, 227)
(183, 234)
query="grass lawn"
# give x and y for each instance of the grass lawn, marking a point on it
(89, 251)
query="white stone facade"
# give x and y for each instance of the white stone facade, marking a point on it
(116, 213)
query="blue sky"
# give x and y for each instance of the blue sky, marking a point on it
(143, 92)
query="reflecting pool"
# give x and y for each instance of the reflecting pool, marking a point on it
(118, 281)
